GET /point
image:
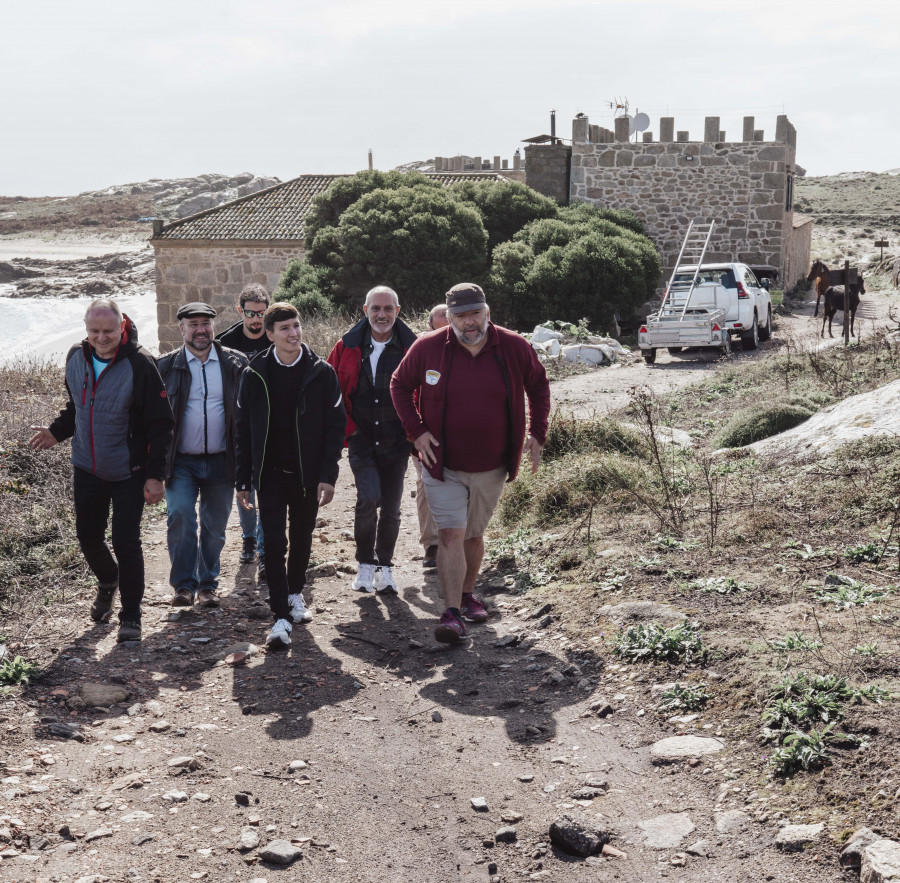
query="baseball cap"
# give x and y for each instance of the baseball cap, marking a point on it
(465, 296)
(195, 309)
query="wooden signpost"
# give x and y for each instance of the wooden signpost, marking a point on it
(845, 277)
(882, 244)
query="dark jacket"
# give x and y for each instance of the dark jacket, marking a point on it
(176, 375)
(428, 367)
(234, 338)
(319, 418)
(346, 359)
(121, 422)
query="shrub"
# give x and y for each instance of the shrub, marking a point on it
(304, 286)
(568, 435)
(418, 240)
(652, 642)
(759, 422)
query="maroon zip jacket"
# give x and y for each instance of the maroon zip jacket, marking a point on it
(419, 386)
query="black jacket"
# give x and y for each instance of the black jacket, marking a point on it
(319, 418)
(176, 375)
(121, 422)
(234, 338)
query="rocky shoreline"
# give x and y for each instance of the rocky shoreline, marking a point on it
(104, 276)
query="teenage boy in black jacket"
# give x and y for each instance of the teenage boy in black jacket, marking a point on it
(290, 436)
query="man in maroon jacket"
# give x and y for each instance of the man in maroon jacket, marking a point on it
(468, 425)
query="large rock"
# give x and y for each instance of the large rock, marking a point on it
(577, 835)
(666, 832)
(280, 852)
(852, 853)
(867, 414)
(731, 820)
(676, 748)
(102, 695)
(881, 863)
(797, 836)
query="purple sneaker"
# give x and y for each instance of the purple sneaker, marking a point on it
(450, 629)
(472, 609)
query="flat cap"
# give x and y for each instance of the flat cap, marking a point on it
(195, 309)
(465, 296)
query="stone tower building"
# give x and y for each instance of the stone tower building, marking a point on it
(745, 186)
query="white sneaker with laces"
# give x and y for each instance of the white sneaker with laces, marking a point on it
(365, 576)
(384, 581)
(299, 611)
(280, 636)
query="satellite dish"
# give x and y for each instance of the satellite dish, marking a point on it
(640, 123)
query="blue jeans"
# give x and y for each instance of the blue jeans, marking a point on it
(195, 561)
(379, 486)
(251, 525)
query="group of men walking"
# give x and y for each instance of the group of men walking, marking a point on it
(255, 411)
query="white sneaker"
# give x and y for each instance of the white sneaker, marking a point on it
(384, 581)
(299, 611)
(365, 576)
(280, 636)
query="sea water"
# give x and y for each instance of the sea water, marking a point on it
(45, 327)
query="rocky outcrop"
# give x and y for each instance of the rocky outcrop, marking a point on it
(103, 276)
(180, 197)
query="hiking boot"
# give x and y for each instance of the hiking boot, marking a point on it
(248, 553)
(430, 560)
(384, 581)
(450, 629)
(208, 598)
(472, 609)
(365, 578)
(128, 631)
(299, 611)
(261, 570)
(280, 636)
(183, 597)
(101, 609)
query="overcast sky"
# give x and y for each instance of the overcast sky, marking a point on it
(101, 92)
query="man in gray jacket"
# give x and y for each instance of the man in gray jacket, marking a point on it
(202, 379)
(120, 423)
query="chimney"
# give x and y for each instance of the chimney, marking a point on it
(370, 160)
(553, 127)
(157, 226)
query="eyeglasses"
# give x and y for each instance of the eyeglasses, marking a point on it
(253, 314)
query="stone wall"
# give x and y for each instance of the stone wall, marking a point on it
(742, 185)
(215, 273)
(797, 255)
(547, 170)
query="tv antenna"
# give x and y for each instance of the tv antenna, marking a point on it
(619, 106)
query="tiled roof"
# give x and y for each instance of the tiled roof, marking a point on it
(274, 214)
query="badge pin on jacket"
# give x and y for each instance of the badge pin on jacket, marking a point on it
(432, 377)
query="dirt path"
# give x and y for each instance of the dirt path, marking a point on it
(396, 736)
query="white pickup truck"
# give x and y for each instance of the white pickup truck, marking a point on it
(726, 299)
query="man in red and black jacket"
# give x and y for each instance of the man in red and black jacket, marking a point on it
(364, 359)
(120, 422)
(460, 392)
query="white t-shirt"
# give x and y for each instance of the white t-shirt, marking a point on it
(377, 350)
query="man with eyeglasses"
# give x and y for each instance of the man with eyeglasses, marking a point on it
(249, 337)
(202, 381)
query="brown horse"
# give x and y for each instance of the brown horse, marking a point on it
(834, 301)
(819, 272)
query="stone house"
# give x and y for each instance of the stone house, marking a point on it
(212, 255)
(745, 185)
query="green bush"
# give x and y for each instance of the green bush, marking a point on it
(759, 422)
(304, 286)
(580, 264)
(505, 207)
(418, 240)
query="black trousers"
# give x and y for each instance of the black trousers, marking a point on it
(93, 498)
(287, 510)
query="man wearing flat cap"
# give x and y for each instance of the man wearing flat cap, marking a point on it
(460, 392)
(202, 380)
